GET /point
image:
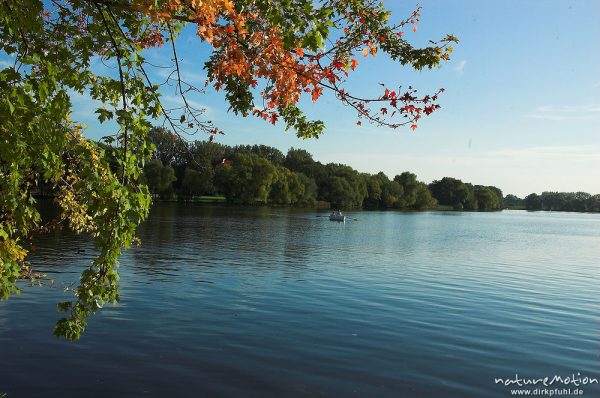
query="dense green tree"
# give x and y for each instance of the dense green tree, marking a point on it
(499, 195)
(562, 201)
(453, 192)
(338, 191)
(202, 151)
(593, 203)
(409, 184)
(554, 201)
(341, 185)
(484, 197)
(158, 177)
(533, 202)
(373, 199)
(198, 181)
(488, 198)
(281, 191)
(391, 195)
(168, 147)
(383, 193)
(221, 178)
(290, 188)
(513, 201)
(273, 155)
(307, 196)
(249, 179)
(579, 201)
(300, 161)
(423, 198)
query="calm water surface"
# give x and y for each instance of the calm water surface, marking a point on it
(258, 302)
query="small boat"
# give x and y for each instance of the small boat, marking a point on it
(337, 216)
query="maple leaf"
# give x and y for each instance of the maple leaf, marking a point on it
(338, 64)
(316, 93)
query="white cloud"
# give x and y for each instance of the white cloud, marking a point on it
(460, 68)
(569, 112)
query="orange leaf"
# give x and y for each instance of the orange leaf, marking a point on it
(316, 93)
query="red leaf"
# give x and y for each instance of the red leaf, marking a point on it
(316, 93)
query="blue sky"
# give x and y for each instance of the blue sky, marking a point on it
(521, 109)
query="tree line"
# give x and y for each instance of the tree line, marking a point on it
(561, 201)
(248, 174)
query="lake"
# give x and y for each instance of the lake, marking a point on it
(265, 302)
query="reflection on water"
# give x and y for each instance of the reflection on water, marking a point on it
(226, 301)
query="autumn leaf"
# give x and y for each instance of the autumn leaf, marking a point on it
(316, 93)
